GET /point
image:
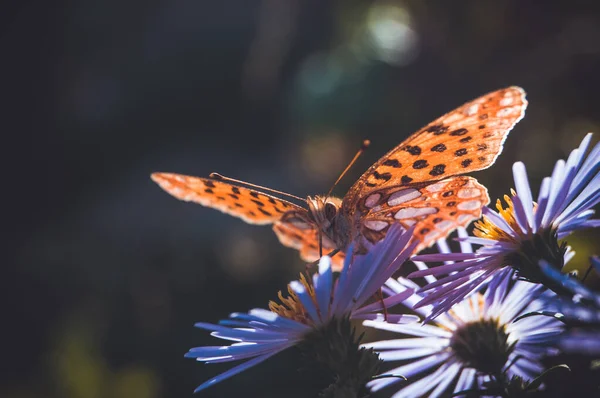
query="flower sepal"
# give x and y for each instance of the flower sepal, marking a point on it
(335, 347)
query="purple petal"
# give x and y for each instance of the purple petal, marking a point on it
(444, 257)
(465, 246)
(239, 334)
(476, 241)
(405, 343)
(324, 285)
(498, 220)
(389, 302)
(305, 299)
(554, 202)
(402, 355)
(391, 318)
(445, 269)
(524, 191)
(520, 215)
(212, 354)
(465, 380)
(542, 201)
(233, 371)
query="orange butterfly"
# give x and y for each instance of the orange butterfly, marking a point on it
(417, 182)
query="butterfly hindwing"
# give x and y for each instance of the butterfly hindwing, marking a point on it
(306, 241)
(436, 209)
(251, 206)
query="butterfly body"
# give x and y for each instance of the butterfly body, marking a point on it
(417, 183)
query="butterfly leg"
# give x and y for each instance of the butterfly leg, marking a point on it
(320, 245)
(330, 254)
(333, 252)
(587, 273)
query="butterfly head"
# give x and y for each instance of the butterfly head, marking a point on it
(324, 211)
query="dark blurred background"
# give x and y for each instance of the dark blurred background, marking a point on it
(104, 274)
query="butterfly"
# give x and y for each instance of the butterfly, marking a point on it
(418, 183)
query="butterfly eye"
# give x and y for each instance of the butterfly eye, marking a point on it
(330, 211)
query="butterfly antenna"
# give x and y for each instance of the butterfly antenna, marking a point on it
(219, 177)
(363, 147)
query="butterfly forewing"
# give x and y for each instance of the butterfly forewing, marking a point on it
(436, 209)
(251, 206)
(464, 140)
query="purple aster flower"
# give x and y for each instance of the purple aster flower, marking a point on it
(314, 306)
(517, 237)
(474, 344)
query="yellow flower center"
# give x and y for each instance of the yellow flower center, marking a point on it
(485, 228)
(291, 307)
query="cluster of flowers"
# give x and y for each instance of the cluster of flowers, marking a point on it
(489, 314)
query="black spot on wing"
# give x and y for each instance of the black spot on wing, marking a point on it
(460, 152)
(466, 162)
(266, 213)
(438, 170)
(413, 150)
(437, 129)
(382, 176)
(459, 132)
(392, 163)
(420, 164)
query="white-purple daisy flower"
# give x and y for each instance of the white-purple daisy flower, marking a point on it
(519, 236)
(467, 346)
(311, 306)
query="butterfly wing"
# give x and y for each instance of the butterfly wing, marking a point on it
(292, 225)
(467, 139)
(436, 208)
(305, 238)
(416, 183)
(251, 206)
